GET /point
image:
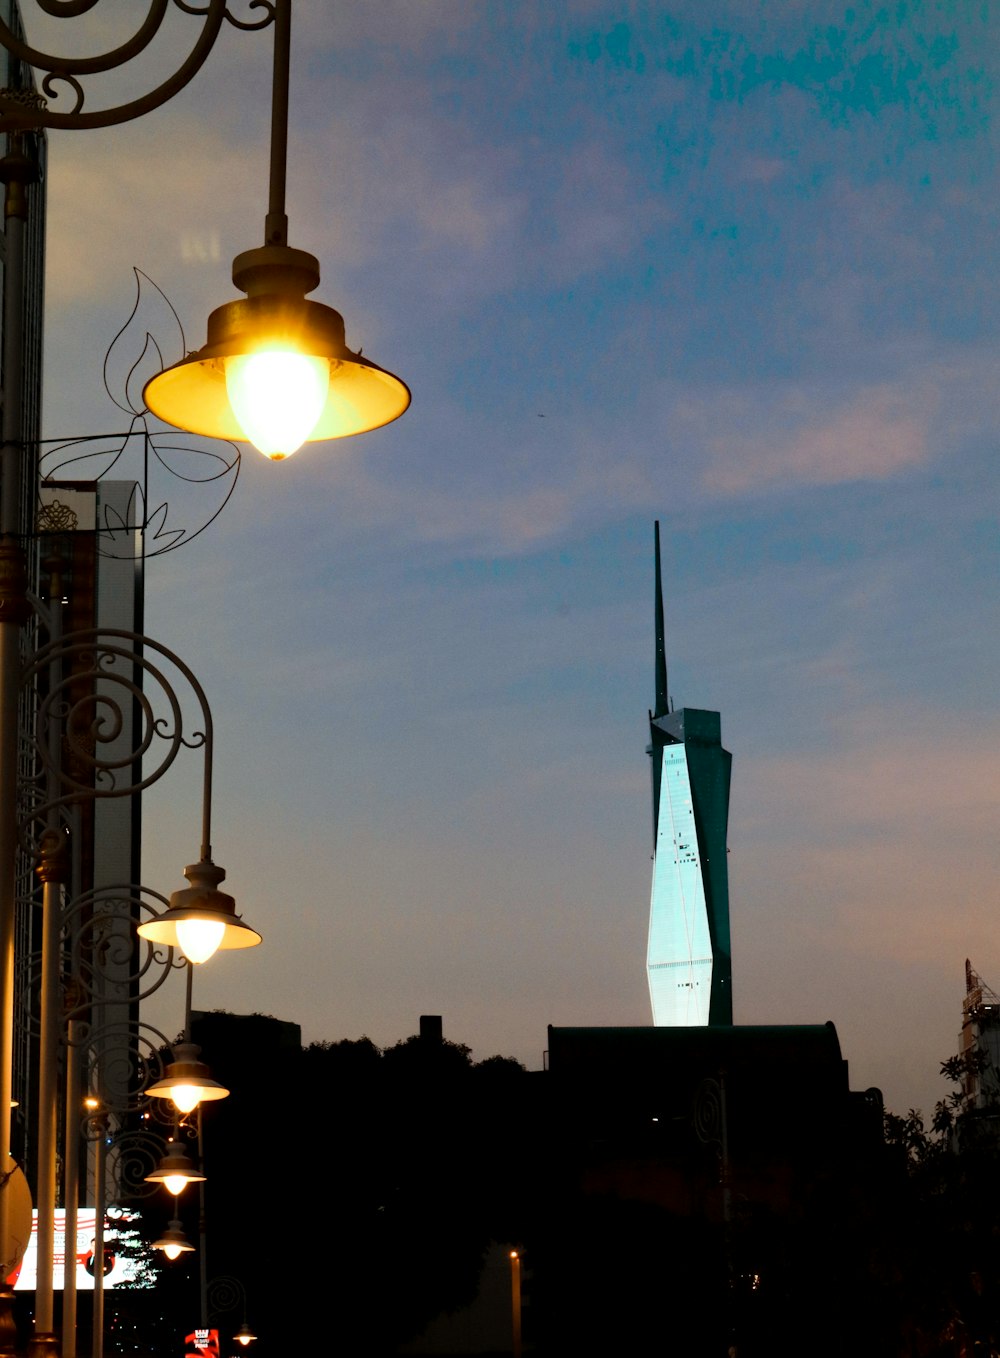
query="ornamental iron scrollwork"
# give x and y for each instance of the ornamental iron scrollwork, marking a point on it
(65, 75)
(96, 721)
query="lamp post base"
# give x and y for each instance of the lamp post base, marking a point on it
(43, 1346)
(8, 1329)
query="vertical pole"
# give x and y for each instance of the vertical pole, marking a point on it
(71, 1162)
(14, 612)
(202, 1252)
(515, 1301)
(276, 225)
(100, 1159)
(51, 870)
(727, 1215)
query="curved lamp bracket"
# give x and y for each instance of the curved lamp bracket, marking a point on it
(67, 73)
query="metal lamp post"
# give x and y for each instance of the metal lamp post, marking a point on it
(91, 670)
(273, 330)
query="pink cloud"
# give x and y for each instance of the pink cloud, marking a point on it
(887, 844)
(881, 432)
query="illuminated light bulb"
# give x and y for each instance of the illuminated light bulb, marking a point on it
(175, 1171)
(278, 396)
(173, 1241)
(185, 1098)
(187, 1082)
(199, 939)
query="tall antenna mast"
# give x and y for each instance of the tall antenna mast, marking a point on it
(661, 706)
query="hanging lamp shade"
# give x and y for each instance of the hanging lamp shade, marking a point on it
(244, 1335)
(173, 1242)
(276, 370)
(200, 919)
(187, 1081)
(175, 1171)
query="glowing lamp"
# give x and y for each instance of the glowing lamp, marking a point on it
(277, 396)
(175, 1171)
(244, 1335)
(187, 1081)
(173, 1241)
(199, 939)
(200, 919)
(276, 370)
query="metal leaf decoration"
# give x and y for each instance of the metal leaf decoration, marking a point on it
(200, 473)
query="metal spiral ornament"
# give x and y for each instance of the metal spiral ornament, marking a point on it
(124, 1059)
(132, 1156)
(91, 682)
(102, 923)
(64, 75)
(706, 1114)
(225, 1294)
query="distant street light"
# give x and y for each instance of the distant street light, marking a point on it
(187, 1081)
(173, 1242)
(175, 1171)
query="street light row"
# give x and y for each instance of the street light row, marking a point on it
(200, 920)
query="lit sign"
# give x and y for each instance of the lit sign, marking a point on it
(120, 1269)
(202, 1344)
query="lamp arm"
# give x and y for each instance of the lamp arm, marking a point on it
(14, 115)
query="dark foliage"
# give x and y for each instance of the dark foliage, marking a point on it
(949, 1244)
(379, 1177)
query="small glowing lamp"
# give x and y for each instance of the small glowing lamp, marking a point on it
(173, 1241)
(276, 370)
(244, 1335)
(175, 1171)
(187, 1081)
(200, 919)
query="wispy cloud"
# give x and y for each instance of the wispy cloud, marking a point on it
(881, 431)
(887, 843)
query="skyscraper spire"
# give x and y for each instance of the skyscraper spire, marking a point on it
(688, 957)
(662, 703)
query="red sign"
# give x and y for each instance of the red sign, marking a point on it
(201, 1344)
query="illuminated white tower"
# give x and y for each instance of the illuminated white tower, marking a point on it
(688, 956)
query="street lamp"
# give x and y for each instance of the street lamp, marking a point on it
(175, 1171)
(173, 1242)
(187, 1081)
(273, 344)
(200, 919)
(276, 370)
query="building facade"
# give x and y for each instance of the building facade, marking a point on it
(688, 953)
(979, 1043)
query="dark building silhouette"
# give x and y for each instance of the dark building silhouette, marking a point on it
(712, 1186)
